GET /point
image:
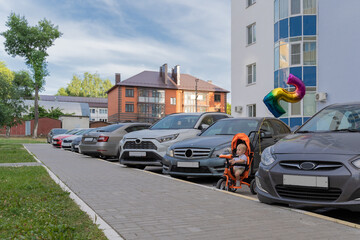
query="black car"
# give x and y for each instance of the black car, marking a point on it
(198, 156)
(318, 165)
(53, 132)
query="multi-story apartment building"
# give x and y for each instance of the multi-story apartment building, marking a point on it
(96, 106)
(315, 40)
(150, 95)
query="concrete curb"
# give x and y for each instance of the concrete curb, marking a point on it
(109, 232)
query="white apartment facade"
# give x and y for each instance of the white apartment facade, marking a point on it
(316, 40)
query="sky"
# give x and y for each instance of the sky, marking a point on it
(128, 37)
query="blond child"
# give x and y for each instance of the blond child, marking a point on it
(241, 158)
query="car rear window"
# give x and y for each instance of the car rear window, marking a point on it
(110, 128)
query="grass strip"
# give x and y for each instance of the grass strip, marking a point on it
(21, 140)
(33, 206)
(14, 153)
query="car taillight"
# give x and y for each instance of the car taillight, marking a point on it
(103, 139)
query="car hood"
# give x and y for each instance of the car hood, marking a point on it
(204, 142)
(148, 133)
(319, 143)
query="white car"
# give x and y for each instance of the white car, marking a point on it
(148, 147)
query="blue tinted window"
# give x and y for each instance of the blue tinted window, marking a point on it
(283, 77)
(295, 122)
(276, 79)
(310, 76)
(285, 120)
(295, 26)
(284, 31)
(309, 25)
(277, 58)
(306, 118)
(276, 32)
(296, 71)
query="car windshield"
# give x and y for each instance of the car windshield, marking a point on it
(176, 122)
(58, 131)
(231, 127)
(334, 118)
(110, 128)
(72, 131)
(81, 132)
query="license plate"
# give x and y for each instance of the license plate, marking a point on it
(76, 146)
(188, 164)
(137, 154)
(306, 181)
(88, 139)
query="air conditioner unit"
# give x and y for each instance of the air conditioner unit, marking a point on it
(238, 109)
(321, 96)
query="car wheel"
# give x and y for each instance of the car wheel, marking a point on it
(252, 187)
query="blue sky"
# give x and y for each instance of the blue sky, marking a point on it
(129, 36)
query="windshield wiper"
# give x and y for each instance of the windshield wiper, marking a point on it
(345, 130)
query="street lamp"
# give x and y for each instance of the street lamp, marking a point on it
(196, 93)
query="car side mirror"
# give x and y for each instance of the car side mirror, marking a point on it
(266, 134)
(203, 127)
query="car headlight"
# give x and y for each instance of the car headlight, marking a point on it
(356, 163)
(167, 138)
(221, 150)
(267, 156)
(170, 152)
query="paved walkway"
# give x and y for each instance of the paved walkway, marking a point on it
(142, 205)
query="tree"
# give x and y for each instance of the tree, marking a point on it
(53, 113)
(90, 86)
(31, 43)
(228, 108)
(12, 91)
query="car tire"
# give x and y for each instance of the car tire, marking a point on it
(252, 187)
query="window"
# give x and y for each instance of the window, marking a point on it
(173, 101)
(251, 33)
(217, 98)
(276, 10)
(295, 53)
(251, 73)
(309, 56)
(296, 109)
(284, 8)
(92, 110)
(250, 2)
(103, 111)
(129, 107)
(251, 110)
(295, 7)
(309, 6)
(284, 55)
(129, 92)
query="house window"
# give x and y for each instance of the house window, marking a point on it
(251, 33)
(250, 2)
(284, 8)
(295, 7)
(129, 107)
(103, 111)
(129, 92)
(217, 98)
(92, 110)
(251, 110)
(309, 49)
(251, 73)
(173, 101)
(309, 6)
(295, 54)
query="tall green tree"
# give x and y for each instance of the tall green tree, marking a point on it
(228, 108)
(90, 86)
(11, 97)
(31, 43)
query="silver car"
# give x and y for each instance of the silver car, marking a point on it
(105, 142)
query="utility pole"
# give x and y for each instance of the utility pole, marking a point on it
(196, 93)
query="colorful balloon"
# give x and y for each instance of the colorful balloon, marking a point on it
(272, 99)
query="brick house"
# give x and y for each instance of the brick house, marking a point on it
(150, 95)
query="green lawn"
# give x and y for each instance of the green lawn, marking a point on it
(21, 140)
(14, 153)
(33, 206)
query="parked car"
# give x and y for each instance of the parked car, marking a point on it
(147, 147)
(318, 165)
(105, 142)
(57, 139)
(199, 156)
(66, 142)
(53, 132)
(77, 140)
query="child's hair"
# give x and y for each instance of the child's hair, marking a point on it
(242, 147)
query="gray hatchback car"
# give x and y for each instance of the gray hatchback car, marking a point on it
(318, 165)
(105, 142)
